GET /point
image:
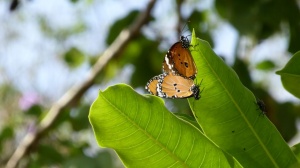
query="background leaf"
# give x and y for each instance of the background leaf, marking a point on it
(74, 57)
(145, 134)
(265, 65)
(290, 75)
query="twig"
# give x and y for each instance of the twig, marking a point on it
(74, 94)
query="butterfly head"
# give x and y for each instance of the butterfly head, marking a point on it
(184, 42)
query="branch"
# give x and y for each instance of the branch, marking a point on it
(72, 95)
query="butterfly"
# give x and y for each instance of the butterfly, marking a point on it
(179, 59)
(169, 85)
(179, 70)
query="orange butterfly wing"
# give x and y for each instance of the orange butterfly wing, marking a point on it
(175, 86)
(151, 86)
(180, 61)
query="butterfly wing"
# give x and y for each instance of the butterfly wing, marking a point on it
(168, 66)
(180, 61)
(175, 86)
(152, 85)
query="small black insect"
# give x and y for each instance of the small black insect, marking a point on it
(261, 106)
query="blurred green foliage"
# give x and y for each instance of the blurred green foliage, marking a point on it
(35, 110)
(199, 21)
(261, 18)
(265, 65)
(74, 57)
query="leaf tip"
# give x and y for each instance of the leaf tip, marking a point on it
(278, 72)
(193, 40)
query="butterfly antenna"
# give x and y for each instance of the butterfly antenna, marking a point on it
(201, 82)
(201, 90)
(182, 30)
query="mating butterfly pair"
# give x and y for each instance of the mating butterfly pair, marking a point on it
(179, 70)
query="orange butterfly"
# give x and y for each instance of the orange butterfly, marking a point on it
(179, 70)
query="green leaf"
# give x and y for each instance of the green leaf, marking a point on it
(6, 133)
(290, 75)
(228, 115)
(145, 134)
(258, 18)
(296, 150)
(265, 65)
(188, 119)
(46, 155)
(35, 110)
(79, 115)
(74, 57)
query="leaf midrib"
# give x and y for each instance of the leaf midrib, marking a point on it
(289, 74)
(146, 133)
(239, 109)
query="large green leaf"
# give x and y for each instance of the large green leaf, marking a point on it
(228, 115)
(290, 75)
(145, 134)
